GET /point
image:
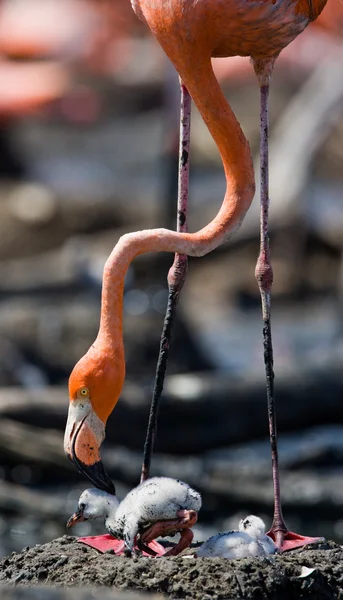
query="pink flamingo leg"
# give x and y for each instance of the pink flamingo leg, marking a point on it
(184, 542)
(185, 519)
(284, 539)
(176, 278)
(182, 524)
(160, 529)
(104, 543)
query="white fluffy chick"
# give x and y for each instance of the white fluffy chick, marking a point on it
(249, 540)
(156, 499)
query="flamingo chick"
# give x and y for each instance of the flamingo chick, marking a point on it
(249, 540)
(159, 506)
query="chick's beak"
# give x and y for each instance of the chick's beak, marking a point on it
(77, 517)
(83, 438)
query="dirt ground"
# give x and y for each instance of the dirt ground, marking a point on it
(43, 592)
(64, 562)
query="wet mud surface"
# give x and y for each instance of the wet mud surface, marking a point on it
(314, 572)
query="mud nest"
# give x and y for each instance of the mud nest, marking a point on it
(314, 572)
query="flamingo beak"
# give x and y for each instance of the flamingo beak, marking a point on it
(83, 437)
(77, 517)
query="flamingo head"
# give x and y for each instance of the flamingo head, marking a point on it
(94, 388)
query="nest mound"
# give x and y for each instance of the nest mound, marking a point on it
(314, 572)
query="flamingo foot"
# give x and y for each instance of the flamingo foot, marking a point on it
(103, 543)
(287, 540)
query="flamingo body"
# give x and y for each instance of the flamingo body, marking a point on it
(256, 28)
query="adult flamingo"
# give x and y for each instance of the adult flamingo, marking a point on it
(191, 33)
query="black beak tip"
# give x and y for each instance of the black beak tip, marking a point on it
(106, 484)
(97, 475)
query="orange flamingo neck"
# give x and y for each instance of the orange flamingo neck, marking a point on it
(238, 168)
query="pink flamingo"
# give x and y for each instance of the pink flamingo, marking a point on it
(191, 33)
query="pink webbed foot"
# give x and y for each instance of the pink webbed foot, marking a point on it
(103, 543)
(287, 540)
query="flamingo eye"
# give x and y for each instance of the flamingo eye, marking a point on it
(84, 392)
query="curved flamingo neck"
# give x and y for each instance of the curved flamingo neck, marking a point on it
(226, 131)
(130, 245)
(110, 333)
(238, 167)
